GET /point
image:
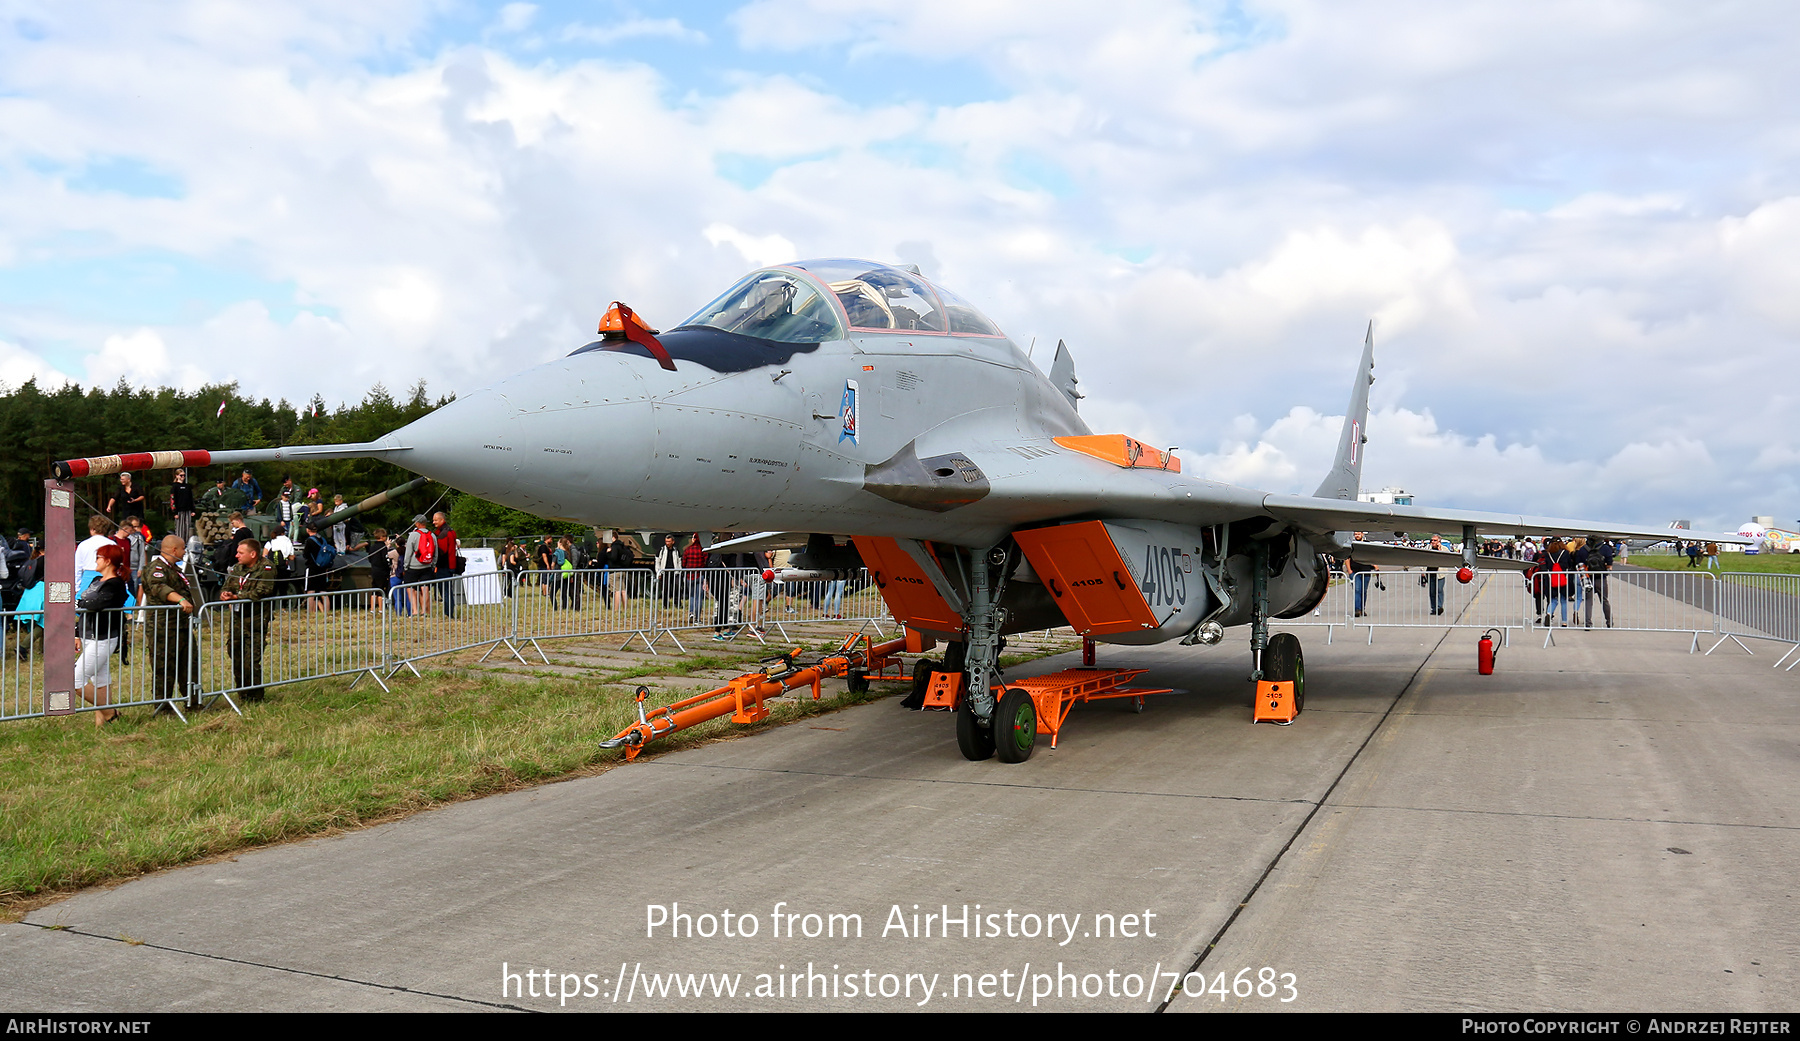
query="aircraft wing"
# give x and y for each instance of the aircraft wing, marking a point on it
(1321, 516)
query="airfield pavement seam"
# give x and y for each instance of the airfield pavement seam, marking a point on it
(394, 987)
(1566, 816)
(1275, 861)
(998, 784)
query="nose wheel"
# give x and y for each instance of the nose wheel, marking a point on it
(974, 738)
(1015, 726)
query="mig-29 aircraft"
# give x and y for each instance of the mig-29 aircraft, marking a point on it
(848, 398)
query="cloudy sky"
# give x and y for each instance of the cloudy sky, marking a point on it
(1576, 227)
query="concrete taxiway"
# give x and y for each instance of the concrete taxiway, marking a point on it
(1606, 824)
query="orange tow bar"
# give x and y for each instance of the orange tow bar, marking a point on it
(743, 696)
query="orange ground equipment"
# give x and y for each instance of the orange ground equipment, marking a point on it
(743, 696)
(1276, 702)
(1053, 696)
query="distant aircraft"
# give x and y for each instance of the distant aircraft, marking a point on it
(848, 398)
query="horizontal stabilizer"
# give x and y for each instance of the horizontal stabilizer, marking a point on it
(1383, 555)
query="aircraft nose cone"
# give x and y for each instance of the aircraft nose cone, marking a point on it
(467, 444)
(562, 440)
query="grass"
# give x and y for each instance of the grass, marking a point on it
(81, 805)
(1739, 563)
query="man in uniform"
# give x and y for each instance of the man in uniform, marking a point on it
(249, 581)
(218, 498)
(164, 582)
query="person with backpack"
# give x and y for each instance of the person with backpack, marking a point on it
(1598, 561)
(1555, 570)
(418, 562)
(619, 561)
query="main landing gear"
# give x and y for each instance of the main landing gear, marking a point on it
(1278, 667)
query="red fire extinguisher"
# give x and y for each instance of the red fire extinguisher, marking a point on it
(1484, 652)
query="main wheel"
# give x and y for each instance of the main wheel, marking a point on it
(1284, 662)
(922, 670)
(1015, 726)
(976, 742)
(1299, 679)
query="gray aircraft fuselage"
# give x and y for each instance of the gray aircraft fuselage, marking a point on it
(608, 436)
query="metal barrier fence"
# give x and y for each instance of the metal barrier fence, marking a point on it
(1627, 600)
(151, 661)
(552, 605)
(1416, 598)
(1735, 606)
(426, 619)
(154, 660)
(21, 671)
(246, 647)
(733, 603)
(230, 650)
(1759, 607)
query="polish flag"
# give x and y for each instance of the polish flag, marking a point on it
(221, 410)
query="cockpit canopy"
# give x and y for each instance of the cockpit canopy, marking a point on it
(816, 300)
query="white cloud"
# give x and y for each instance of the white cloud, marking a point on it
(757, 250)
(141, 358)
(515, 17)
(18, 365)
(634, 28)
(1572, 227)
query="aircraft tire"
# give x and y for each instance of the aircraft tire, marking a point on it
(1284, 662)
(1015, 726)
(975, 741)
(922, 670)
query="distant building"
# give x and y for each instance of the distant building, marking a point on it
(1387, 497)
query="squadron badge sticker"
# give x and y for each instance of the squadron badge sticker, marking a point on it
(847, 414)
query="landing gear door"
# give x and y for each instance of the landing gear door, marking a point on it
(911, 597)
(1113, 578)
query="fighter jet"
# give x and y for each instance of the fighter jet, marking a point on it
(875, 418)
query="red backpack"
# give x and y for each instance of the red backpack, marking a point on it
(426, 556)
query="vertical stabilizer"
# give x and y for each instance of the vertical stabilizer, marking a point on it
(1062, 375)
(1345, 478)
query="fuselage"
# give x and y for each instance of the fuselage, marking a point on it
(917, 433)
